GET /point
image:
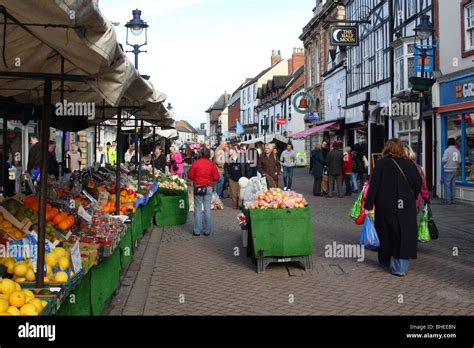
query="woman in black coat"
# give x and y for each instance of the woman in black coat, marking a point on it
(394, 187)
(318, 163)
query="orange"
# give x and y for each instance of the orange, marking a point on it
(54, 212)
(71, 220)
(64, 225)
(59, 218)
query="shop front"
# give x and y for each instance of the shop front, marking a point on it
(455, 114)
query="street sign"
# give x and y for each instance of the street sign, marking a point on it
(281, 121)
(344, 36)
(429, 60)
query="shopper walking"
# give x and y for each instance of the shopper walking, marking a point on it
(73, 157)
(220, 156)
(394, 188)
(203, 173)
(451, 162)
(358, 171)
(160, 160)
(325, 149)
(288, 162)
(347, 170)
(267, 166)
(317, 158)
(234, 170)
(334, 163)
(176, 162)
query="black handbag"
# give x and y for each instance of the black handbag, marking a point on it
(434, 233)
(202, 190)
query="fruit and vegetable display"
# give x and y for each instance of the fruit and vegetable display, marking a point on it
(276, 198)
(15, 301)
(171, 185)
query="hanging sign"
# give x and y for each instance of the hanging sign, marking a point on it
(428, 60)
(344, 36)
(281, 121)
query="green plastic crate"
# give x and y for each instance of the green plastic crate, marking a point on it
(281, 232)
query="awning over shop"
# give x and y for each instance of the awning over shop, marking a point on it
(268, 139)
(313, 130)
(75, 35)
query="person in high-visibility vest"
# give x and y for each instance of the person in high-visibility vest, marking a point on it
(112, 153)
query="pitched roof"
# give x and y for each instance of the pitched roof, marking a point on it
(256, 78)
(220, 104)
(184, 126)
(235, 95)
(280, 81)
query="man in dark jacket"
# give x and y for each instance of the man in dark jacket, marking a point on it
(234, 169)
(317, 158)
(160, 160)
(53, 165)
(334, 162)
(34, 155)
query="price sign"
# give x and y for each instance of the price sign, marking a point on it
(84, 214)
(103, 198)
(76, 257)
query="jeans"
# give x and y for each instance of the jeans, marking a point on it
(347, 182)
(199, 201)
(399, 266)
(355, 186)
(288, 176)
(338, 179)
(449, 187)
(220, 185)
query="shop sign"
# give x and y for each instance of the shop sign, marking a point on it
(312, 117)
(281, 121)
(344, 36)
(457, 91)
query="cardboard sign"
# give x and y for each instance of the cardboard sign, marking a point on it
(76, 257)
(103, 198)
(84, 214)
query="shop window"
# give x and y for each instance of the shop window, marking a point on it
(469, 27)
(469, 148)
(454, 131)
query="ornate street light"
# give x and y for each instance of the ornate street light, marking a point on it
(136, 26)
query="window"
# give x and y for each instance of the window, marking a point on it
(330, 103)
(379, 56)
(404, 67)
(407, 132)
(317, 62)
(469, 31)
(249, 95)
(399, 12)
(249, 116)
(411, 8)
(454, 131)
(244, 97)
(366, 71)
(309, 66)
(254, 92)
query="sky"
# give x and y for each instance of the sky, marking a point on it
(198, 49)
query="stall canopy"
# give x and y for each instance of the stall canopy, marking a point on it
(268, 139)
(73, 38)
(313, 130)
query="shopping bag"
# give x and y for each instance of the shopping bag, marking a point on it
(356, 208)
(369, 236)
(434, 233)
(216, 203)
(423, 230)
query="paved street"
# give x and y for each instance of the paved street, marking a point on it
(174, 273)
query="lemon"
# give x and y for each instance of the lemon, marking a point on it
(13, 311)
(49, 270)
(28, 310)
(17, 299)
(20, 280)
(8, 286)
(17, 287)
(4, 304)
(10, 265)
(4, 297)
(20, 269)
(60, 252)
(61, 277)
(37, 303)
(51, 259)
(64, 263)
(44, 303)
(29, 295)
(5, 314)
(30, 275)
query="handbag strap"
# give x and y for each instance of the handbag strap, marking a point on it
(403, 173)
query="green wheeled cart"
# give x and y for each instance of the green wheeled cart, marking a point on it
(171, 210)
(281, 236)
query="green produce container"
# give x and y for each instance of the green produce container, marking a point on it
(282, 232)
(172, 210)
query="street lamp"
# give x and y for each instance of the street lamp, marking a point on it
(136, 26)
(423, 31)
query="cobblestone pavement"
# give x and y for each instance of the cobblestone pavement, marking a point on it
(174, 273)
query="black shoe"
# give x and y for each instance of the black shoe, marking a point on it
(196, 234)
(206, 235)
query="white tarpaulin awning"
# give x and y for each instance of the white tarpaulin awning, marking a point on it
(268, 139)
(89, 47)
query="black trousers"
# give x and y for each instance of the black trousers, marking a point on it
(317, 186)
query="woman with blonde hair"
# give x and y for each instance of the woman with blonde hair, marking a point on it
(176, 161)
(394, 187)
(411, 155)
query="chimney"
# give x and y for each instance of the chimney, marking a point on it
(276, 57)
(296, 61)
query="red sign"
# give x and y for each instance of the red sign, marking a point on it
(281, 121)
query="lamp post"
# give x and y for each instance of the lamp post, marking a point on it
(265, 129)
(423, 31)
(136, 26)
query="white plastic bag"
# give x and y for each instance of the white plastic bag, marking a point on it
(216, 203)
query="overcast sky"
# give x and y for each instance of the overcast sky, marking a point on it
(197, 49)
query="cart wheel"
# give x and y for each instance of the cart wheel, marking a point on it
(260, 266)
